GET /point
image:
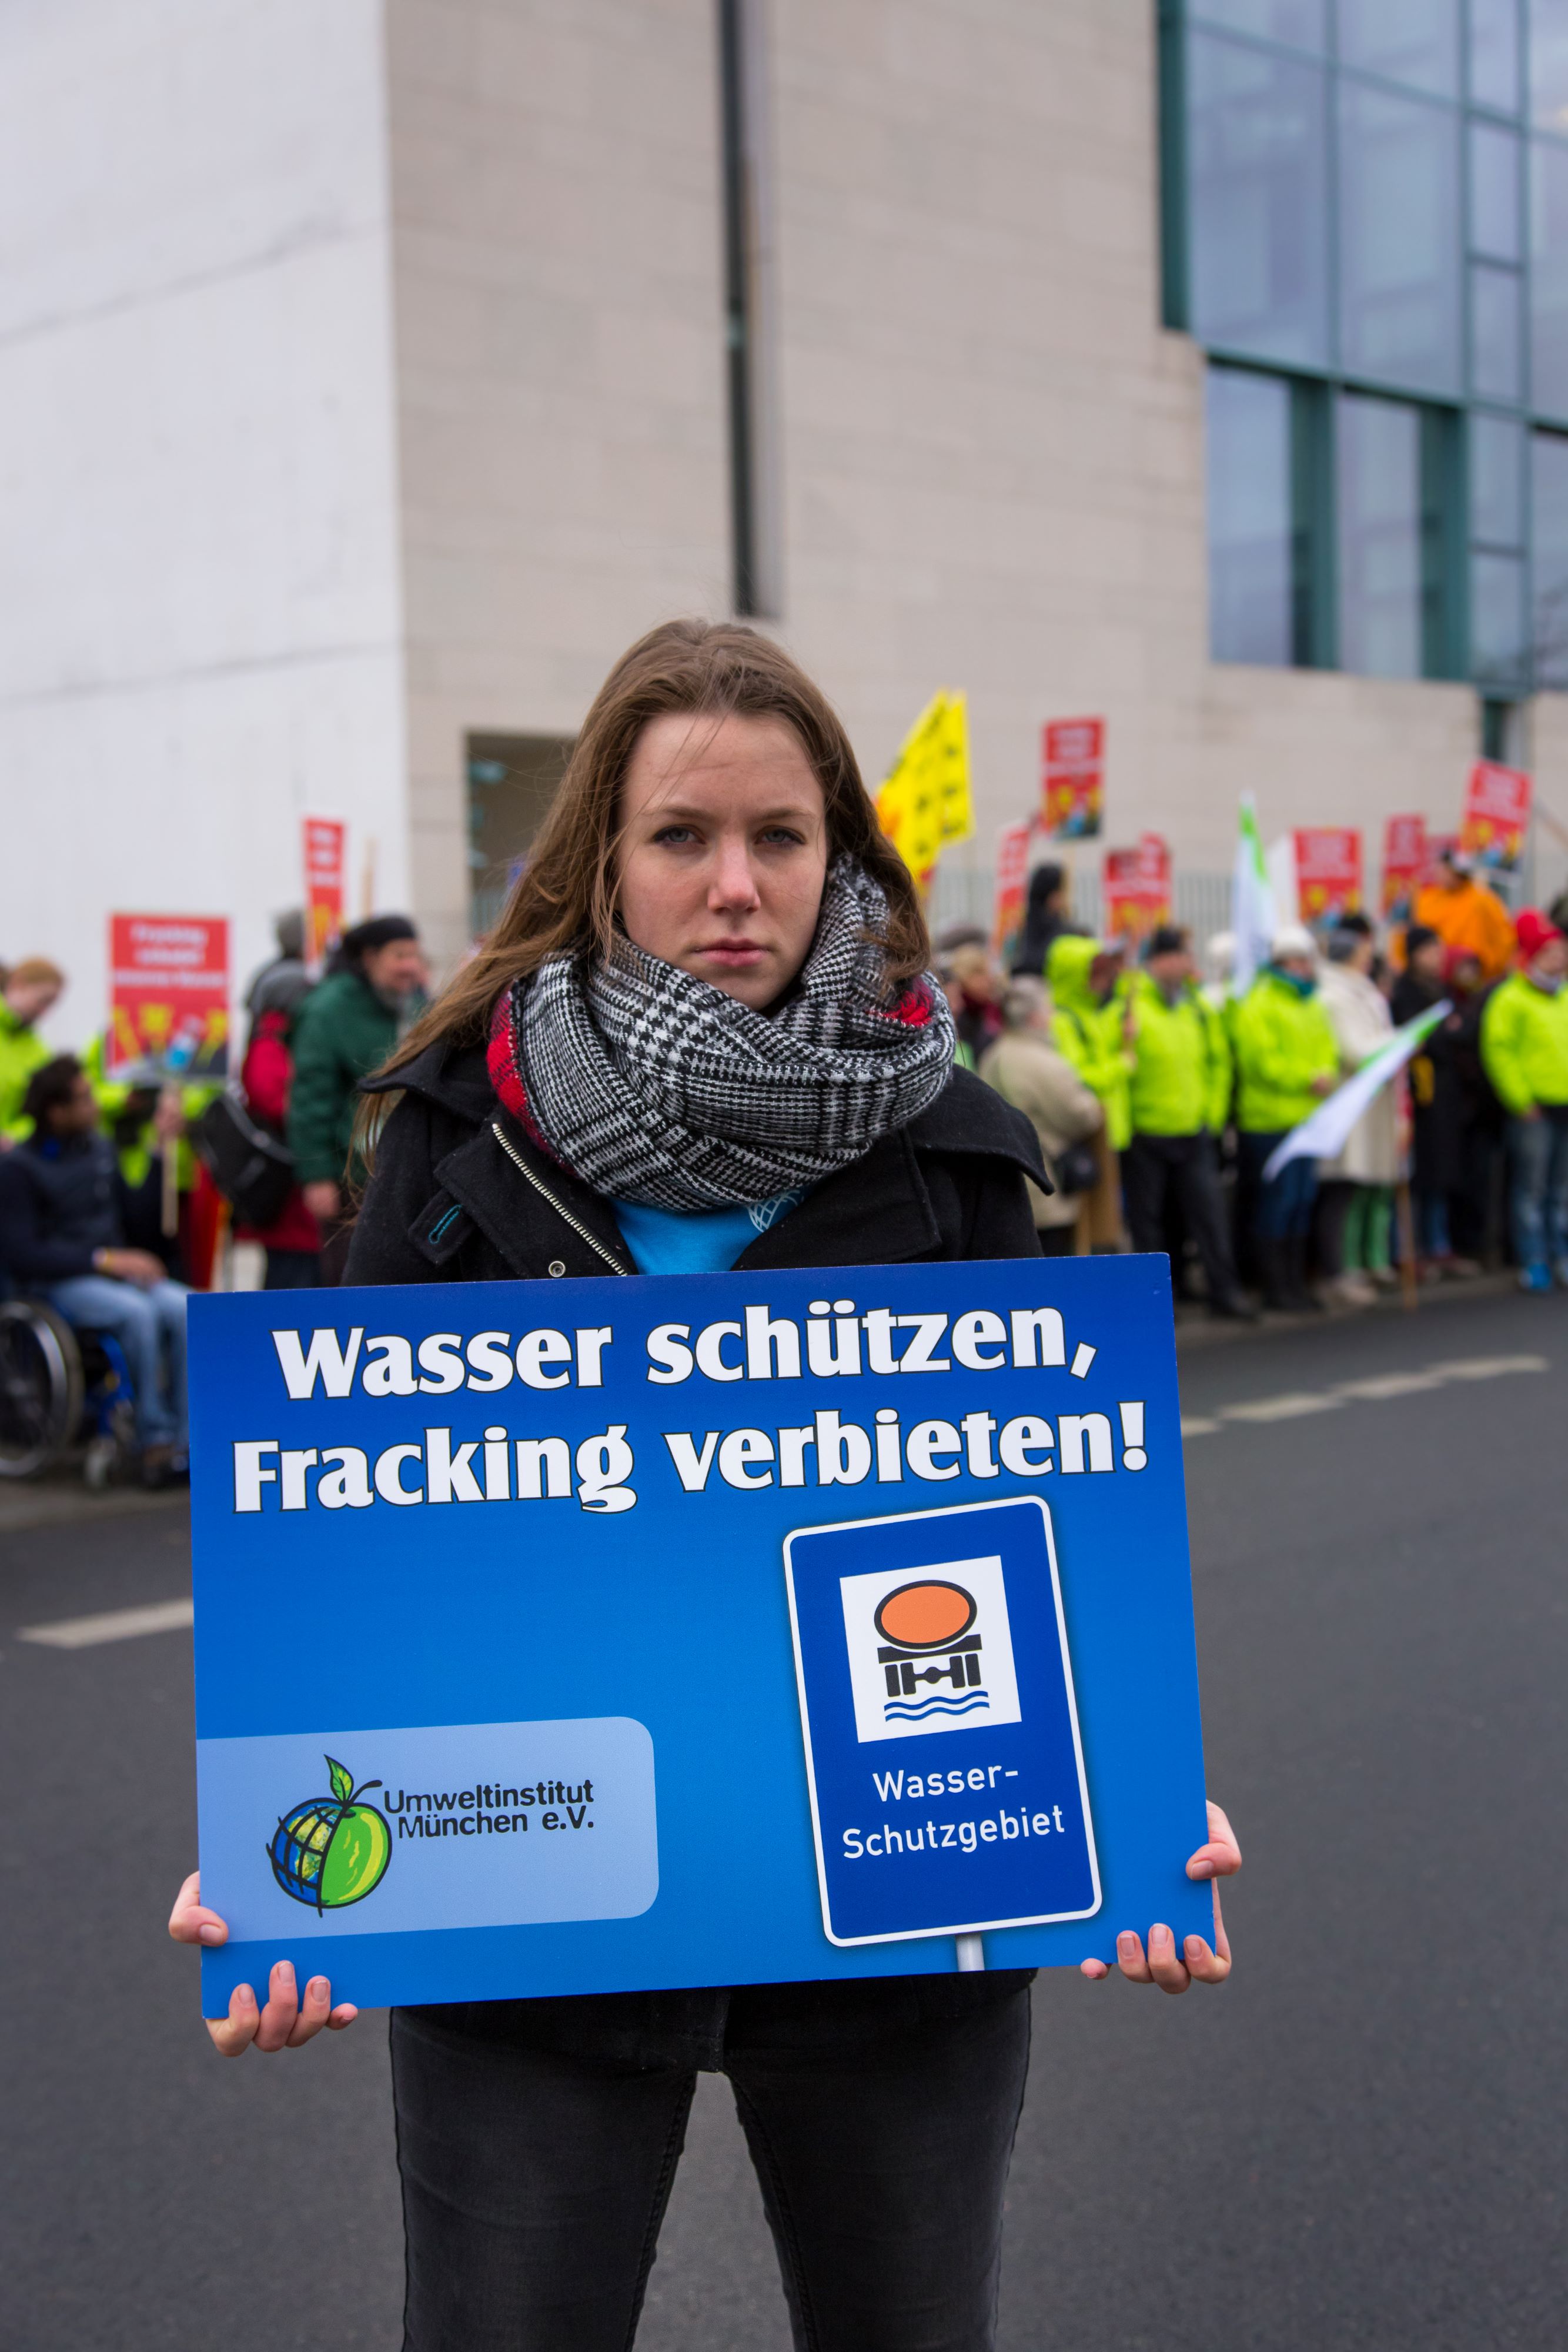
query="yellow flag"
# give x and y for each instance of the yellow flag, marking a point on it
(926, 799)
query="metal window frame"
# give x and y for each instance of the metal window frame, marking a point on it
(1448, 547)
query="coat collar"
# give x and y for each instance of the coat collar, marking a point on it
(877, 1211)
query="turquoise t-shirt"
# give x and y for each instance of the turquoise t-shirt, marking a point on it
(706, 1241)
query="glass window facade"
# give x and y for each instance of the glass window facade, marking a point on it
(1399, 253)
(1415, 42)
(1259, 160)
(1250, 516)
(1378, 501)
(1367, 230)
(1549, 620)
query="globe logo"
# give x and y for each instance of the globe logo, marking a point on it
(333, 1849)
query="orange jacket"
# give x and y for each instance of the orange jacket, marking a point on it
(1471, 916)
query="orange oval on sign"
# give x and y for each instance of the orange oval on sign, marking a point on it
(924, 1616)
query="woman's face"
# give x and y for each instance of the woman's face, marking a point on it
(723, 853)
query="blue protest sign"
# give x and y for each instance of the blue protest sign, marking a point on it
(740, 1628)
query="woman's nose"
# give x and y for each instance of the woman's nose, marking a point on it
(733, 883)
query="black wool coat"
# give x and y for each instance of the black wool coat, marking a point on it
(459, 1193)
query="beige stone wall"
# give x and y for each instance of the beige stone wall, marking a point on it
(991, 453)
(557, 295)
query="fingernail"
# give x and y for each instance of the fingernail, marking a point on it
(245, 1996)
(286, 1971)
(1194, 1947)
(318, 1989)
(211, 1934)
(1160, 1936)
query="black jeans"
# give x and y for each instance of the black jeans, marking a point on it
(538, 2141)
(1155, 1165)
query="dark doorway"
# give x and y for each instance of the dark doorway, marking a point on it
(512, 779)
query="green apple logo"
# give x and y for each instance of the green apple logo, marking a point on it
(331, 1850)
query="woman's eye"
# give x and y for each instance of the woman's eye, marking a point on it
(674, 836)
(785, 834)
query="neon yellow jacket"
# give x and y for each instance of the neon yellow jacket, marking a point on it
(1181, 1062)
(22, 1050)
(137, 1152)
(1524, 1044)
(1088, 1034)
(1283, 1041)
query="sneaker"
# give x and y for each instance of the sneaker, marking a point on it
(1385, 1278)
(1461, 1269)
(1536, 1277)
(1353, 1288)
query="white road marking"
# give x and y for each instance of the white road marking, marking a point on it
(1389, 1384)
(1373, 1389)
(111, 1625)
(1280, 1408)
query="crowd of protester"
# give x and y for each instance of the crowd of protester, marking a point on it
(108, 1212)
(1160, 1100)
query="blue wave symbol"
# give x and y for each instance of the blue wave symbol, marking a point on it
(964, 1706)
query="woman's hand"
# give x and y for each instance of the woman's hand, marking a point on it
(1163, 1965)
(286, 2021)
(323, 1200)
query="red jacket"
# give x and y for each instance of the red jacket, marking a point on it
(266, 1075)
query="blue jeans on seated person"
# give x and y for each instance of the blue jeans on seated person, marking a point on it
(150, 1325)
(1538, 1191)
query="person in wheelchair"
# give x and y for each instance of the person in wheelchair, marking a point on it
(63, 1211)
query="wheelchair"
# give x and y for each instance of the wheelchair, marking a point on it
(59, 1385)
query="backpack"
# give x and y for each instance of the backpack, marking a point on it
(252, 1169)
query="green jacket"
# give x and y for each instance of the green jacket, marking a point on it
(343, 1030)
(1088, 1034)
(1181, 1062)
(1283, 1041)
(22, 1050)
(1524, 1044)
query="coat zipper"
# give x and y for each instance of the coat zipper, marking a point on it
(521, 1165)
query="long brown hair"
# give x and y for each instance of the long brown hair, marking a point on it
(567, 894)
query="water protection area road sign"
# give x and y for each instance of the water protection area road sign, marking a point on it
(942, 1745)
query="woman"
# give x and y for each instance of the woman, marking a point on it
(293, 1239)
(1027, 1071)
(1355, 1190)
(344, 1028)
(701, 1034)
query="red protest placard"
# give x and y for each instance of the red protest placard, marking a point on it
(1073, 778)
(1328, 870)
(169, 995)
(325, 842)
(1137, 890)
(1497, 813)
(1012, 884)
(1405, 855)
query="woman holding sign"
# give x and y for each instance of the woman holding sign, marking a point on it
(702, 1035)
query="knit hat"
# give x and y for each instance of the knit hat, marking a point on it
(1534, 932)
(379, 932)
(1292, 939)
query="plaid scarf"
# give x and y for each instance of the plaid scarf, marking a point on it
(652, 1086)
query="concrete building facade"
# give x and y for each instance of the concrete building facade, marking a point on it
(365, 387)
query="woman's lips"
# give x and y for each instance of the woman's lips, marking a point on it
(733, 951)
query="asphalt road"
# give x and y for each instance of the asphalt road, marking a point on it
(1359, 2143)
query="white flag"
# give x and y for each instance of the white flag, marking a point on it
(1324, 1133)
(1251, 903)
